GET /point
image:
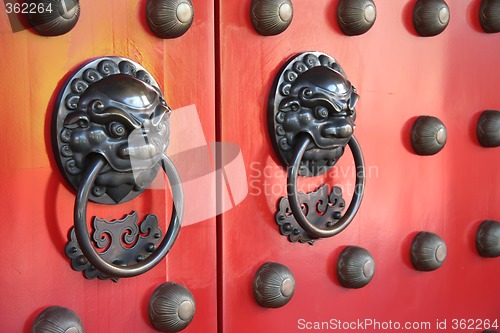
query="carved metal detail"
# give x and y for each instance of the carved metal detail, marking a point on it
(56, 319)
(355, 267)
(169, 18)
(171, 307)
(489, 16)
(430, 17)
(355, 17)
(428, 135)
(312, 96)
(323, 209)
(102, 110)
(311, 116)
(428, 251)
(271, 17)
(110, 132)
(123, 243)
(488, 129)
(488, 239)
(57, 17)
(274, 285)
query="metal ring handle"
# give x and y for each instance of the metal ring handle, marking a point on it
(83, 236)
(293, 194)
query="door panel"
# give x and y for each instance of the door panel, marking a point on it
(399, 76)
(37, 205)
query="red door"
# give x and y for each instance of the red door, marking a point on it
(217, 78)
(37, 205)
(399, 75)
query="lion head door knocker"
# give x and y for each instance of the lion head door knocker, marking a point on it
(311, 119)
(110, 132)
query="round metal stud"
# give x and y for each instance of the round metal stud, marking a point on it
(355, 17)
(355, 267)
(428, 251)
(488, 239)
(171, 307)
(271, 17)
(169, 18)
(489, 15)
(488, 129)
(428, 136)
(56, 319)
(53, 17)
(430, 17)
(273, 285)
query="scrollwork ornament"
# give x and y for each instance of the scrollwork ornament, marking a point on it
(124, 242)
(108, 67)
(323, 207)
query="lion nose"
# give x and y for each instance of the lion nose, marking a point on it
(141, 152)
(338, 131)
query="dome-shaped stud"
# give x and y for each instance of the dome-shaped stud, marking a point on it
(169, 18)
(488, 128)
(271, 17)
(171, 307)
(355, 17)
(355, 267)
(57, 17)
(489, 15)
(428, 251)
(428, 136)
(430, 17)
(56, 319)
(273, 285)
(488, 239)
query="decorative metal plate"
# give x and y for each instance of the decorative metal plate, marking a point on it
(172, 307)
(322, 208)
(273, 285)
(123, 242)
(57, 319)
(67, 107)
(53, 17)
(169, 18)
(308, 86)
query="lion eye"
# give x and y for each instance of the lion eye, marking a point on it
(117, 130)
(321, 112)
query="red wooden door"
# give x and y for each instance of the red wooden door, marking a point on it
(399, 76)
(36, 204)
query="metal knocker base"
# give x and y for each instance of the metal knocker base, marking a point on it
(306, 217)
(311, 115)
(110, 132)
(121, 261)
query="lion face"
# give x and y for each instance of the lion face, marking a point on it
(125, 120)
(321, 104)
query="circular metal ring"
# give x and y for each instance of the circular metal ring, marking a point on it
(83, 237)
(293, 194)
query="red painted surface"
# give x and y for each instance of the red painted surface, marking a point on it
(453, 76)
(36, 205)
(399, 76)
